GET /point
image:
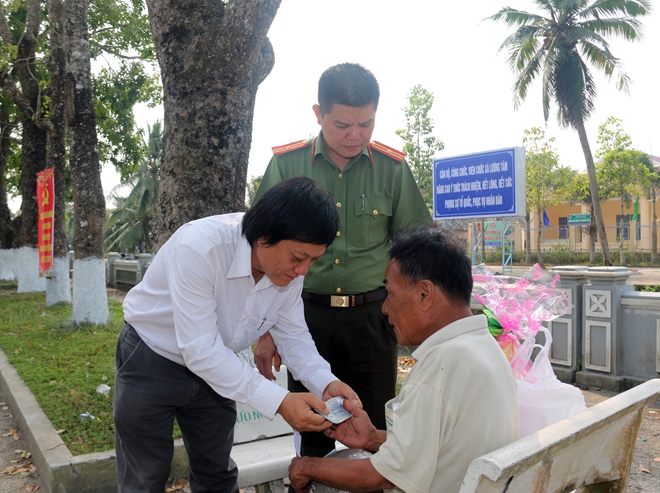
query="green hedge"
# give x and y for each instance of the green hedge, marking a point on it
(564, 256)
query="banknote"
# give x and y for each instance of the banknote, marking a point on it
(337, 411)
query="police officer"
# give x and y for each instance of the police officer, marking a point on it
(375, 195)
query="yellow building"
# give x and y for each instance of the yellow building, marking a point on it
(636, 236)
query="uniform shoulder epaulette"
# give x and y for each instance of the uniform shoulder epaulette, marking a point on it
(290, 147)
(388, 151)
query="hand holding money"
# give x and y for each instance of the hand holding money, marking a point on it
(358, 432)
(298, 409)
(340, 389)
(338, 412)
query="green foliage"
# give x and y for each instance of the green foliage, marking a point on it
(562, 255)
(611, 137)
(578, 190)
(9, 129)
(120, 28)
(547, 181)
(651, 184)
(251, 189)
(116, 92)
(420, 145)
(647, 288)
(120, 35)
(8, 53)
(129, 224)
(623, 172)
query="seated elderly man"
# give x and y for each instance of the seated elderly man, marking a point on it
(459, 400)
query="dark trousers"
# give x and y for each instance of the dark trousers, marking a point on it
(361, 348)
(152, 391)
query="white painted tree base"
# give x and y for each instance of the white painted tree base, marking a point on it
(90, 298)
(58, 287)
(8, 265)
(27, 271)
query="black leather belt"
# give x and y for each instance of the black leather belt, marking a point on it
(346, 301)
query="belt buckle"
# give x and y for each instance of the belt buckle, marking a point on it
(341, 301)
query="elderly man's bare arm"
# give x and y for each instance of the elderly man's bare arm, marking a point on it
(345, 474)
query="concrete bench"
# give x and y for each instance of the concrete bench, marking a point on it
(262, 449)
(264, 463)
(591, 450)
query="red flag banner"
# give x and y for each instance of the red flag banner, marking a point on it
(46, 199)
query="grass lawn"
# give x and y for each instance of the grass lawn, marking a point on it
(63, 365)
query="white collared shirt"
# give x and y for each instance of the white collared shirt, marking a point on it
(198, 305)
(458, 403)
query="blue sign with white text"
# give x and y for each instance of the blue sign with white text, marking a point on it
(486, 184)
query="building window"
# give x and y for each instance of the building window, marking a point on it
(563, 228)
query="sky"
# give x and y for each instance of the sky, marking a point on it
(448, 48)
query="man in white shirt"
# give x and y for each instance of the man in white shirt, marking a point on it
(212, 289)
(459, 400)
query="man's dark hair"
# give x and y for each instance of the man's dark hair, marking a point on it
(433, 254)
(349, 84)
(296, 209)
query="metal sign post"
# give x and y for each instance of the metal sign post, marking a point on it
(508, 229)
(477, 258)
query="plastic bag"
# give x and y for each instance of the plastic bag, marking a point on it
(542, 399)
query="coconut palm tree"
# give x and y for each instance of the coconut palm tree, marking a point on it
(562, 45)
(129, 224)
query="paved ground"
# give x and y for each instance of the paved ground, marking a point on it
(17, 474)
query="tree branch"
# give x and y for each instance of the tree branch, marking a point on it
(9, 86)
(5, 33)
(113, 52)
(33, 21)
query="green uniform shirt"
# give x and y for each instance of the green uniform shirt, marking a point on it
(374, 200)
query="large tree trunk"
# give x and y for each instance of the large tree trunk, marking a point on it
(539, 214)
(90, 300)
(595, 196)
(58, 287)
(592, 239)
(213, 55)
(7, 260)
(6, 129)
(33, 152)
